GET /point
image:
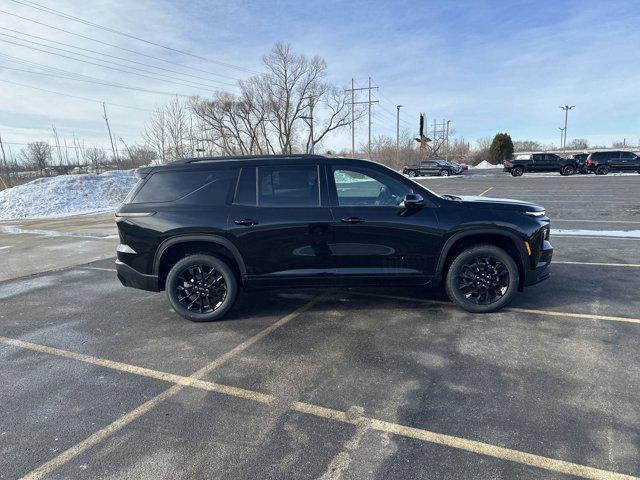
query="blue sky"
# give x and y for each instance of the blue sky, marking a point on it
(486, 66)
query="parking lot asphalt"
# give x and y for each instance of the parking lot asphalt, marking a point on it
(102, 381)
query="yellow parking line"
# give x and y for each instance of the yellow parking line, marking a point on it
(551, 313)
(486, 191)
(597, 264)
(180, 382)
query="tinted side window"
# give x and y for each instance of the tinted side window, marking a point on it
(202, 187)
(367, 187)
(246, 189)
(292, 185)
(537, 157)
(628, 155)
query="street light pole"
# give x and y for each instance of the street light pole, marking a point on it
(561, 136)
(398, 133)
(447, 140)
(566, 109)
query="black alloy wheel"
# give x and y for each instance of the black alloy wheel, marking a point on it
(444, 172)
(568, 170)
(517, 171)
(602, 170)
(412, 173)
(482, 279)
(201, 287)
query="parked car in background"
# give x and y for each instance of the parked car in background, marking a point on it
(433, 167)
(538, 163)
(204, 228)
(580, 160)
(604, 162)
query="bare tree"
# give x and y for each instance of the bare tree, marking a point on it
(139, 155)
(5, 170)
(526, 146)
(178, 129)
(267, 116)
(37, 155)
(156, 133)
(578, 144)
(96, 157)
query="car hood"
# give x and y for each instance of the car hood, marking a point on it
(500, 202)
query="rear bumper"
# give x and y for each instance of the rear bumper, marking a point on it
(541, 271)
(130, 277)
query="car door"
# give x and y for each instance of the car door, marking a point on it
(280, 223)
(537, 163)
(427, 167)
(372, 235)
(628, 161)
(616, 160)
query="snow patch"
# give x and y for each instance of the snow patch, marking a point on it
(597, 233)
(483, 165)
(66, 195)
(54, 233)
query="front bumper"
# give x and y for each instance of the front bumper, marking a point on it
(541, 271)
(130, 277)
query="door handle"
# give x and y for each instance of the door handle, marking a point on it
(246, 221)
(352, 220)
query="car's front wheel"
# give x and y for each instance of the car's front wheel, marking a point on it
(482, 278)
(444, 172)
(567, 170)
(201, 288)
(517, 171)
(411, 173)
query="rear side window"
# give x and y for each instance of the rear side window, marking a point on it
(246, 189)
(190, 187)
(291, 186)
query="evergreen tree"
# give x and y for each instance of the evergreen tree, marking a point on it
(501, 148)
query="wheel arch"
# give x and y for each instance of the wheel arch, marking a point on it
(174, 248)
(508, 241)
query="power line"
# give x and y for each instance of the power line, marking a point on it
(74, 96)
(116, 85)
(59, 13)
(114, 45)
(184, 84)
(103, 54)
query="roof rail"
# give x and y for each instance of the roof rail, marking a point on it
(245, 157)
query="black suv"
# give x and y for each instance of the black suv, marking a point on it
(432, 167)
(201, 229)
(613, 161)
(540, 162)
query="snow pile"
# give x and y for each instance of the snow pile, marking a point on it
(66, 195)
(484, 165)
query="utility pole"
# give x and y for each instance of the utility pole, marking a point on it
(566, 109)
(113, 148)
(447, 140)
(309, 121)
(398, 107)
(353, 118)
(353, 89)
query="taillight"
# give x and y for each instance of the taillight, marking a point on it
(507, 164)
(589, 162)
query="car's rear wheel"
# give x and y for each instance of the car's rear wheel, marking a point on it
(411, 173)
(602, 170)
(482, 278)
(201, 288)
(444, 172)
(568, 170)
(517, 171)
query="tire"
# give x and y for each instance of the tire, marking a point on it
(444, 172)
(517, 171)
(501, 268)
(224, 290)
(602, 170)
(411, 173)
(567, 170)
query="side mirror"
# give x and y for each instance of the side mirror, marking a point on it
(413, 200)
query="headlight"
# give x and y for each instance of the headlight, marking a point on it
(541, 213)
